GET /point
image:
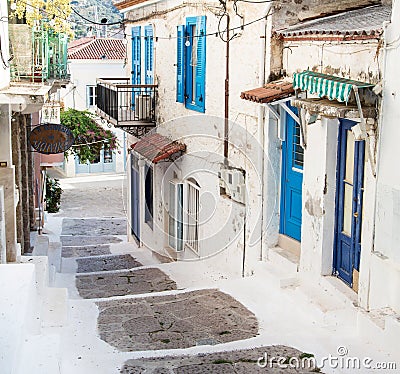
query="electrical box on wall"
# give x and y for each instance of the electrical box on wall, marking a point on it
(233, 183)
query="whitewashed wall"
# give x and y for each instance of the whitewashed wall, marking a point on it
(384, 261)
(204, 132)
(355, 60)
(84, 73)
(4, 71)
(358, 61)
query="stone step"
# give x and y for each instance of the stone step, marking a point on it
(41, 245)
(40, 354)
(55, 307)
(18, 294)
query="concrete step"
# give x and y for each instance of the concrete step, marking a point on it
(41, 246)
(55, 307)
(18, 300)
(40, 354)
(54, 255)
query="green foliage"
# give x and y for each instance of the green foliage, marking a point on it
(53, 195)
(89, 136)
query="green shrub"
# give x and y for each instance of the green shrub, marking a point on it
(53, 195)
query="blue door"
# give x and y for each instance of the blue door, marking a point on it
(292, 179)
(135, 210)
(349, 196)
(148, 54)
(103, 163)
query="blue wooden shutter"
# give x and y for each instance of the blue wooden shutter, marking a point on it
(136, 55)
(180, 62)
(148, 46)
(201, 63)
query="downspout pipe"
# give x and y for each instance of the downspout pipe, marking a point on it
(261, 123)
(226, 121)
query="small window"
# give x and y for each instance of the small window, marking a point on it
(148, 182)
(90, 96)
(298, 151)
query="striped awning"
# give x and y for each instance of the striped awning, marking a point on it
(324, 85)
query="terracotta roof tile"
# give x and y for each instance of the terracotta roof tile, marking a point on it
(156, 147)
(270, 92)
(97, 49)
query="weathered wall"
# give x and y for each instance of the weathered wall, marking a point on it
(290, 12)
(384, 274)
(204, 133)
(356, 60)
(2, 228)
(4, 70)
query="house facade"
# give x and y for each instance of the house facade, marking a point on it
(303, 145)
(89, 58)
(34, 66)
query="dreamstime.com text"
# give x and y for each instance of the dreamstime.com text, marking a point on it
(339, 361)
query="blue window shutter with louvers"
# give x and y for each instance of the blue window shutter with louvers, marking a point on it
(136, 55)
(180, 62)
(148, 46)
(201, 63)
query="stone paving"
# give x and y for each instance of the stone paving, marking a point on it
(84, 240)
(94, 226)
(85, 251)
(107, 263)
(183, 320)
(239, 361)
(123, 283)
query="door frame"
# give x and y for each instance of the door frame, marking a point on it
(287, 119)
(356, 210)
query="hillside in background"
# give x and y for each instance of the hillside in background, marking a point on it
(94, 10)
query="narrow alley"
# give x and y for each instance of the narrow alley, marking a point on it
(118, 309)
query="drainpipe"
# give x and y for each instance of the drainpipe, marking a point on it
(226, 122)
(261, 123)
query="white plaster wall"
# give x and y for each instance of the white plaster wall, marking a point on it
(2, 228)
(385, 260)
(84, 73)
(355, 60)
(17, 292)
(205, 132)
(4, 71)
(319, 179)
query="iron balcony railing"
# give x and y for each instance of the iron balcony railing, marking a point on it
(125, 104)
(38, 55)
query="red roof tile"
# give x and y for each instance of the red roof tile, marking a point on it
(96, 49)
(270, 92)
(156, 147)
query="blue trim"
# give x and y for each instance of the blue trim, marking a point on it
(291, 183)
(136, 55)
(148, 54)
(180, 59)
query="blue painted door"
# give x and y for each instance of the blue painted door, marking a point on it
(135, 206)
(149, 54)
(291, 179)
(349, 196)
(104, 163)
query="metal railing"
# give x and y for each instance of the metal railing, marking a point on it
(125, 104)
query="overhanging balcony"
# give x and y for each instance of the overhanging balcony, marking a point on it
(130, 107)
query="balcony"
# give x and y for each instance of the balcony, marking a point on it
(39, 55)
(131, 107)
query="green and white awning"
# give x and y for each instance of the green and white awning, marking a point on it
(324, 85)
